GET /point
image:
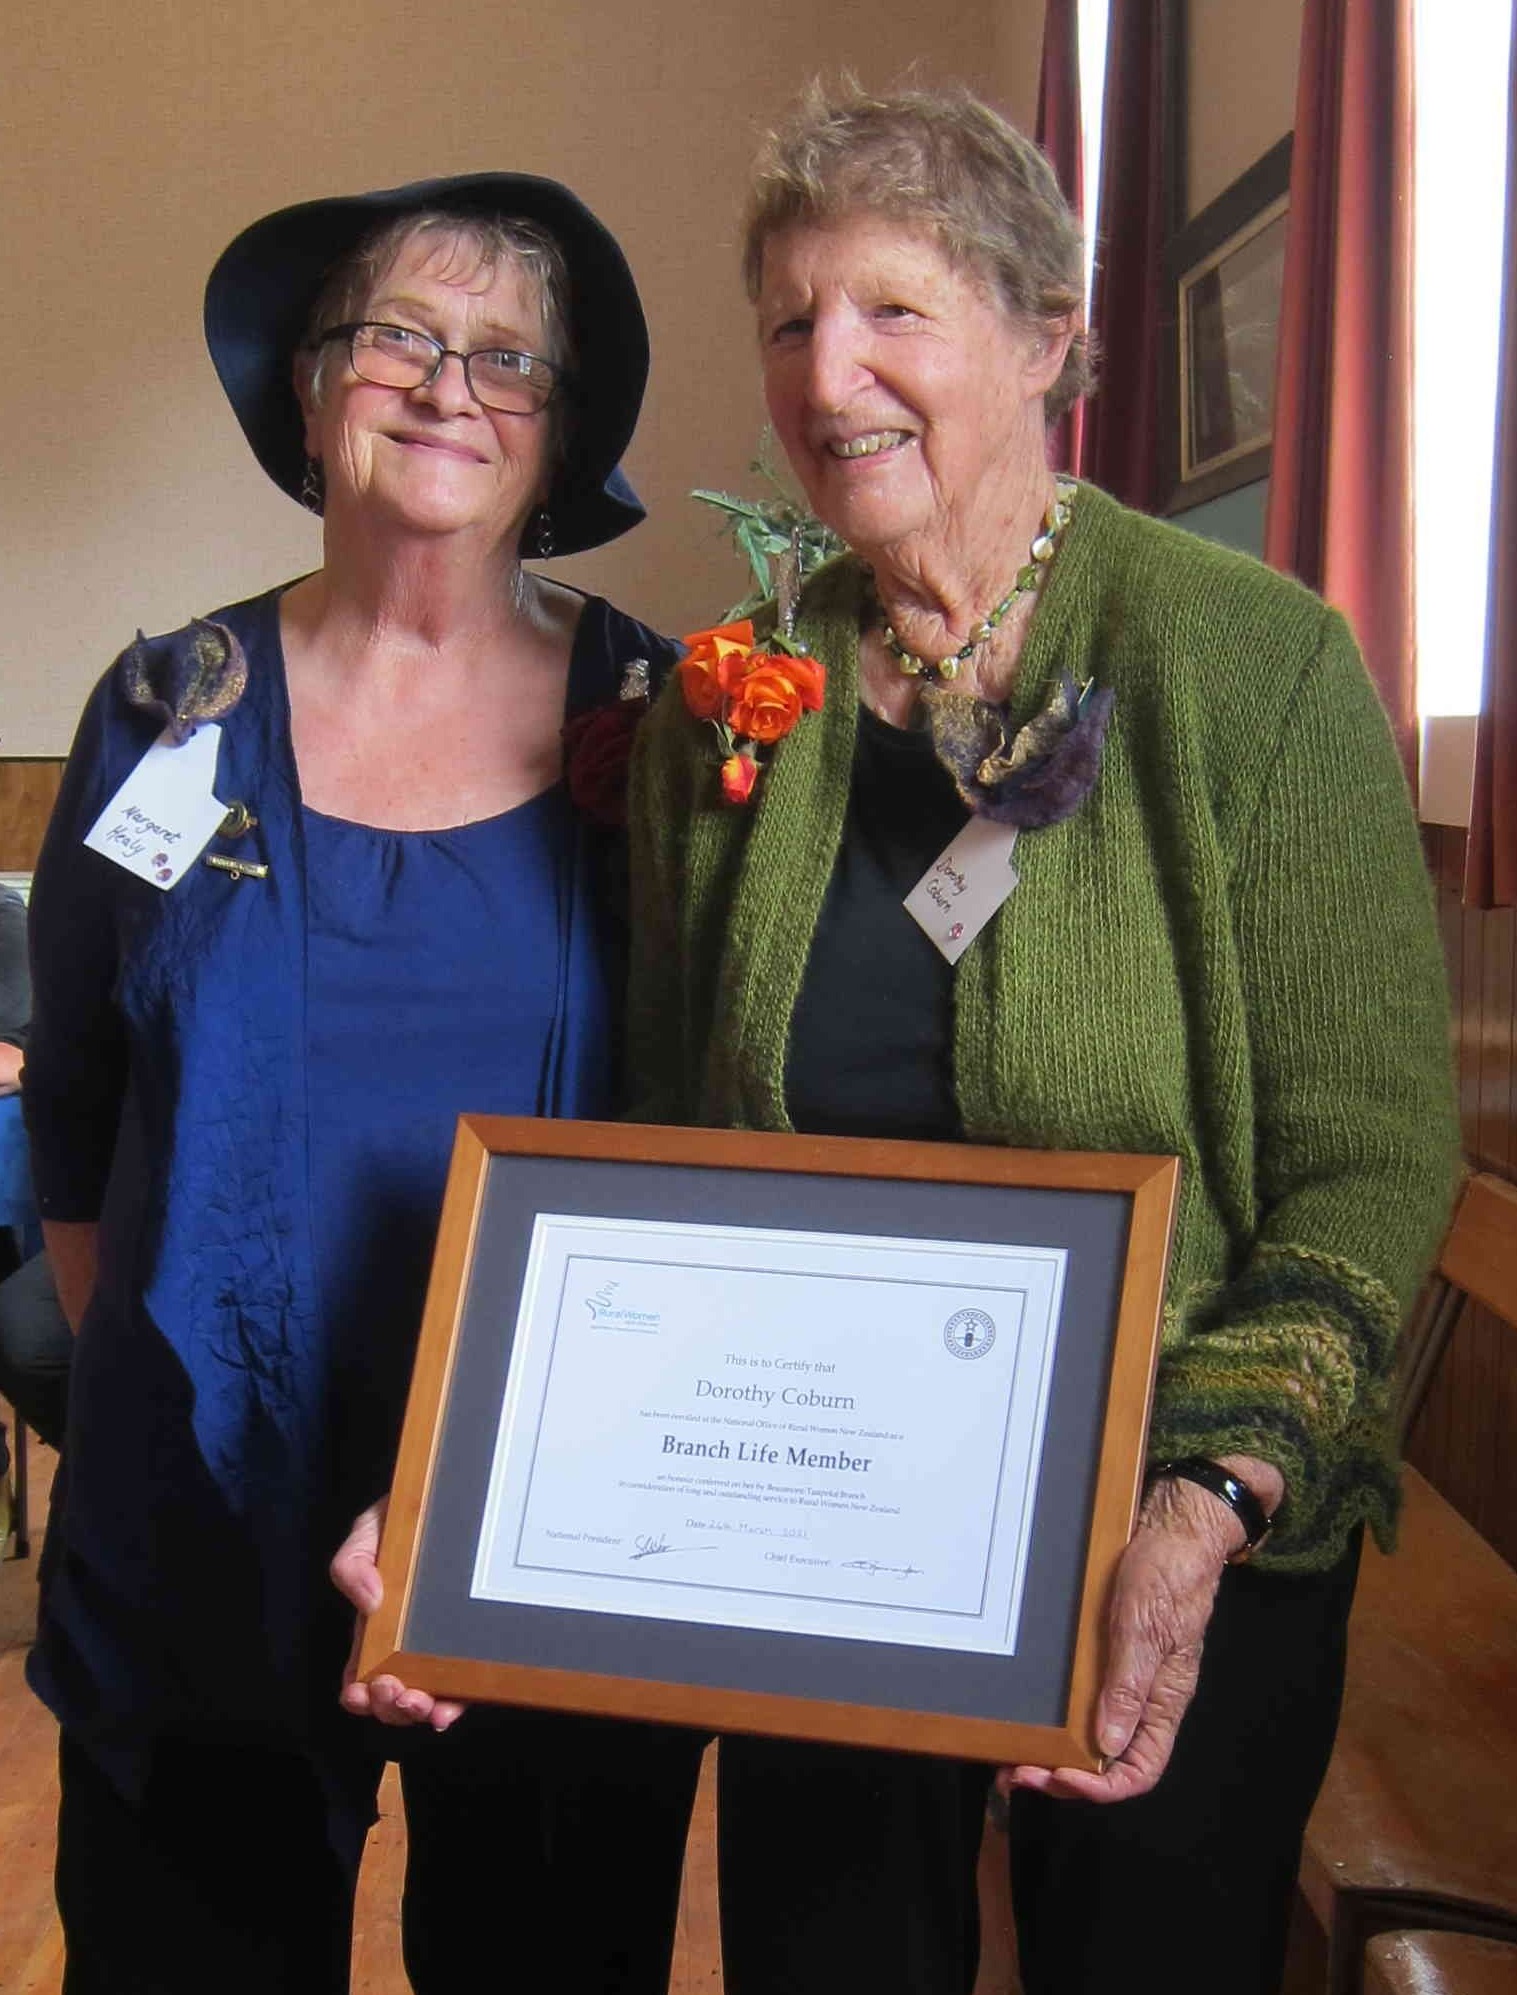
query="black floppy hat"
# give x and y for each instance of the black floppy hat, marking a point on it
(260, 293)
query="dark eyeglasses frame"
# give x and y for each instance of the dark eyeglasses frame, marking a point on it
(350, 331)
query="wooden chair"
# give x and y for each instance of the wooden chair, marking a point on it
(21, 1543)
(1478, 1263)
(1439, 1964)
(1416, 1825)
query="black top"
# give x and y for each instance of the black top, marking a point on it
(871, 1042)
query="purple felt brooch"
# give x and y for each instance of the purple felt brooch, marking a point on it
(1034, 777)
(191, 676)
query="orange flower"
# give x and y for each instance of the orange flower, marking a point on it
(810, 678)
(773, 693)
(714, 661)
(739, 774)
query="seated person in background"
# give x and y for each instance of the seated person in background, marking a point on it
(35, 1343)
(35, 1348)
(34, 1339)
(15, 988)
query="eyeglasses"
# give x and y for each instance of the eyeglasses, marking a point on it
(520, 384)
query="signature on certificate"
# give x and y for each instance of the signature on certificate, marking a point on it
(872, 1567)
(650, 1544)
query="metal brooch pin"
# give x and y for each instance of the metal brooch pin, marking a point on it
(237, 869)
(237, 823)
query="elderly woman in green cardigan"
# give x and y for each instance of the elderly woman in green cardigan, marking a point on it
(1219, 944)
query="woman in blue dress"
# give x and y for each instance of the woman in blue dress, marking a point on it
(242, 1087)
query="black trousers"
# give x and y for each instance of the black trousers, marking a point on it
(847, 1870)
(857, 1870)
(1189, 1888)
(546, 1852)
(220, 1878)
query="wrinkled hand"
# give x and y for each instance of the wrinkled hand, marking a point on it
(355, 1574)
(1161, 1603)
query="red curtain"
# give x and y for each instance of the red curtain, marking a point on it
(1122, 434)
(1060, 132)
(1340, 496)
(1490, 864)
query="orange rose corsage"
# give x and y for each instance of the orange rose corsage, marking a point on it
(751, 697)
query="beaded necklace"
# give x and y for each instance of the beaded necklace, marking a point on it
(1028, 578)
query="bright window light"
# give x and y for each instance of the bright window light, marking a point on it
(1092, 16)
(1461, 59)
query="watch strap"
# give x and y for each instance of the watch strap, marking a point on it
(1229, 1489)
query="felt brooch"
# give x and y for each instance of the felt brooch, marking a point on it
(1036, 776)
(752, 697)
(598, 750)
(193, 675)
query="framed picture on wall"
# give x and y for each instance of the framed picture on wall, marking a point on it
(828, 1438)
(1227, 268)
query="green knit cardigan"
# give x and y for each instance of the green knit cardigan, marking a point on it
(1228, 954)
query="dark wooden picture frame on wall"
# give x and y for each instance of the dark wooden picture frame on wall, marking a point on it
(1224, 272)
(601, 1503)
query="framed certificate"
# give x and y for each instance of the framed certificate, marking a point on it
(824, 1437)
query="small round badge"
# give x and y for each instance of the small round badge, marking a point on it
(969, 1333)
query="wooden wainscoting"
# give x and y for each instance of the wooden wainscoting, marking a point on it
(27, 792)
(1462, 1441)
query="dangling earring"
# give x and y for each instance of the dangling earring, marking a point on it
(537, 541)
(313, 487)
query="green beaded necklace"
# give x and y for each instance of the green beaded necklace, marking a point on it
(1028, 578)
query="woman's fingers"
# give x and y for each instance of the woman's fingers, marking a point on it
(355, 1574)
(1161, 1603)
(392, 1702)
(1142, 1759)
(354, 1696)
(355, 1569)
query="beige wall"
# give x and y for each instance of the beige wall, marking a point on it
(135, 141)
(1241, 87)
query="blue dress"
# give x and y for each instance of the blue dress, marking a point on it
(251, 1085)
(420, 944)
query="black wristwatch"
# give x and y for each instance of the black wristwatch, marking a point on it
(1232, 1491)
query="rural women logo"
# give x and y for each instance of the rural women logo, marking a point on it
(607, 1313)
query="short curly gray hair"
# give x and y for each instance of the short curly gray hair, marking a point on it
(940, 160)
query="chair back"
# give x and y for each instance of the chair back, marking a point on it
(1477, 1263)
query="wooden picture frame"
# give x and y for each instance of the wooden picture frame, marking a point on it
(1225, 270)
(1104, 1221)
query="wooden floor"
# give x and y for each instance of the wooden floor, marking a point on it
(31, 1945)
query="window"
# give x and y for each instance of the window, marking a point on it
(1460, 65)
(1092, 15)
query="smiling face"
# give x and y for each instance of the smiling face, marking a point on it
(431, 459)
(907, 398)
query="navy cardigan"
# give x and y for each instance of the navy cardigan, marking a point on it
(166, 1097)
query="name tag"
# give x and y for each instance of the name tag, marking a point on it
(964, 886)
(165, 813)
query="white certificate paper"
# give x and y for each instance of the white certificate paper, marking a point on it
(818, 1433)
